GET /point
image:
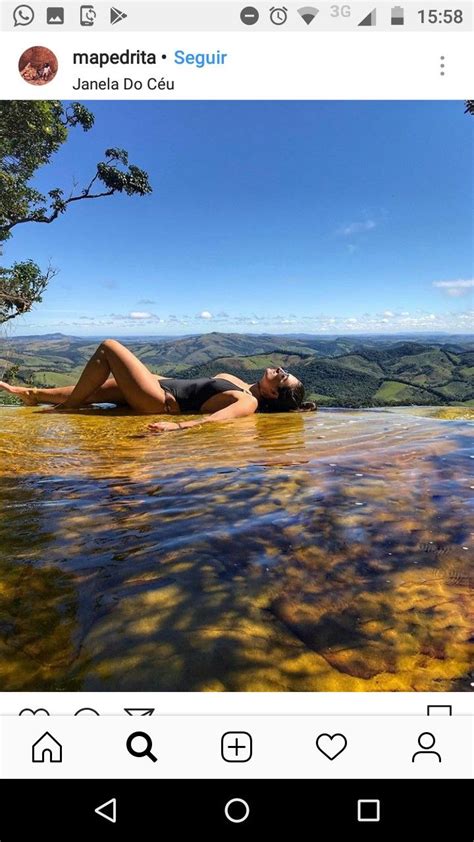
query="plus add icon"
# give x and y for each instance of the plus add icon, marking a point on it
(236, 747)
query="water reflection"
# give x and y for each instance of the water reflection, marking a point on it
(310, 552)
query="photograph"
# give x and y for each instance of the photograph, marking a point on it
(236, 394)
(38, 65)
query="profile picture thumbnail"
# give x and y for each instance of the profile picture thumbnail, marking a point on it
(38, 65)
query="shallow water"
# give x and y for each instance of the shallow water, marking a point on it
(324, 551)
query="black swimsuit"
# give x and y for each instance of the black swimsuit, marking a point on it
(192, 394)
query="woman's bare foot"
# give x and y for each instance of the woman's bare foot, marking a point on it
(27, 396)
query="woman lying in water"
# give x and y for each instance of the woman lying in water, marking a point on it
(115, 375)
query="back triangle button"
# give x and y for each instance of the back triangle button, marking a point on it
(108, 810)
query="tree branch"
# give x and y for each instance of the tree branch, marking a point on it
(17, 298)
(55, 214)
(6, 318)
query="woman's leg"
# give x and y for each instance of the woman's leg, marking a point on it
(109, 392)
(140, 388)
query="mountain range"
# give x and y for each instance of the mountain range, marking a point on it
(343, 371)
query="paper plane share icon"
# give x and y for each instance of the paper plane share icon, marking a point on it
(139, 711)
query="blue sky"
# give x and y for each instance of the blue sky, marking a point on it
(316, 217)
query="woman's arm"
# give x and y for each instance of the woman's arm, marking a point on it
(242, 406)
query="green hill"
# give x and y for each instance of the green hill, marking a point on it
(404, 373)
(341, 371)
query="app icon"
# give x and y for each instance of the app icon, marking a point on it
(116, 15)
(249, 15)
(55, 15)
(88, 16)
(397, 17)
(308, 13)
(87, 712)
(108, 810)
(426, 741)
(140, 744)
(47, 750)
(139, 711)
(370, 19)
(237, 810)
(439, 710)
(368, 810)
(23, 15)
(331, 745)
(37, 712)
(236, 747)
(278, 15)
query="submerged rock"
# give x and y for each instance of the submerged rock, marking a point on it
(236, 557)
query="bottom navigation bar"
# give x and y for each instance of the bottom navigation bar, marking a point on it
(344, 809)
(238, 746)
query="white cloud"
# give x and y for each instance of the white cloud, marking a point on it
(455, 288)
(134, 316)
(138, 314)
(357, 228)
(204, 315)
(143, 322)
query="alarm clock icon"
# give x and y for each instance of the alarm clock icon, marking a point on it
(278, 15)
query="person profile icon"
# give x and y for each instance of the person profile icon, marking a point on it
(426, 742)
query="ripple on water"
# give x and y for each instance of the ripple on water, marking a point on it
(321, 552)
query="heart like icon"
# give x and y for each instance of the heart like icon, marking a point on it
(331, 745)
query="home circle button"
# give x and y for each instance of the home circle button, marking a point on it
(237, 810)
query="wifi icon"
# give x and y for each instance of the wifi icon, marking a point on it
(308, 13)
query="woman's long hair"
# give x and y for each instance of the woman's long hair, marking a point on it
(288, 400)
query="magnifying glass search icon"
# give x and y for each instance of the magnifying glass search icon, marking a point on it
(140, 744)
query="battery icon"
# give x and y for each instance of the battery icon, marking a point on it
(398, 16)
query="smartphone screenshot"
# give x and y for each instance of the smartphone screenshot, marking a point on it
(236, 419)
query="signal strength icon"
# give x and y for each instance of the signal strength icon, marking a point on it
(308, 13)
(370, 20)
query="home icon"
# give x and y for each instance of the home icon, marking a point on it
(47, 750)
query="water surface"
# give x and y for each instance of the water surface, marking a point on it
(324, 551)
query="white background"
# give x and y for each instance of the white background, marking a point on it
(346, 65)
(283, 747)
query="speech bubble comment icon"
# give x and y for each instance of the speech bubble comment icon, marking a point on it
(23, 15)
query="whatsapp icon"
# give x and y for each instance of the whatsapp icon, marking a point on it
(23, 15)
